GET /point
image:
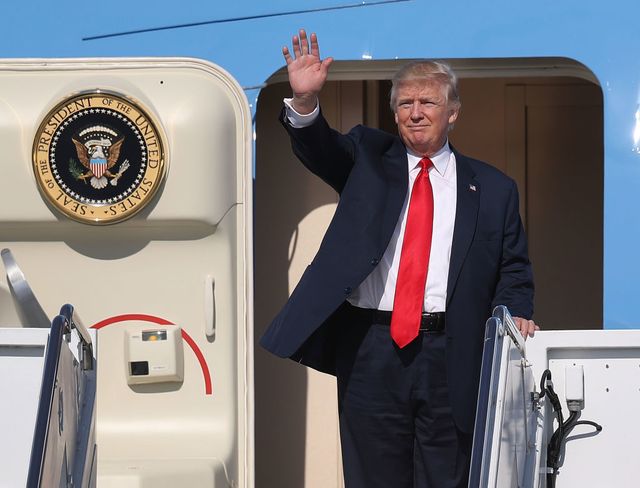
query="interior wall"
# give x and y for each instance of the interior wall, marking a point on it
(297, 442)
(547, 133)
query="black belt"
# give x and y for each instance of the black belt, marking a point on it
(430, 321)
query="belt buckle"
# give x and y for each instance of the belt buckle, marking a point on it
(431, 323)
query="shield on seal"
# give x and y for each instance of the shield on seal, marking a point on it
(98, 166)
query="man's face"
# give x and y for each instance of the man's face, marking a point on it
(423, 115)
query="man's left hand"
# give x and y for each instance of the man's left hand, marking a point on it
(526, 327)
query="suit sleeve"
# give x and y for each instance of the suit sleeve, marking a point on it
(324, 151)
(515, 281)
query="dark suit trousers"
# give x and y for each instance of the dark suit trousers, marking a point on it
(396, 426)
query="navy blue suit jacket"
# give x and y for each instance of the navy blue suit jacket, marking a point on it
(489, 265)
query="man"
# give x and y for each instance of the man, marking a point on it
(423, 244)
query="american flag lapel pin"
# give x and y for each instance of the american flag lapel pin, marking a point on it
(472, 187)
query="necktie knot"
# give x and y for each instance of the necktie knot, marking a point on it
(425, 163)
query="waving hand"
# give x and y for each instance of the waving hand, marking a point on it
(307, 72)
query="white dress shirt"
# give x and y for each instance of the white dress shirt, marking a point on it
(378, 289)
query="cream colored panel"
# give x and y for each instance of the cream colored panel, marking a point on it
(161, 263)
(322, 454)
(193, 101)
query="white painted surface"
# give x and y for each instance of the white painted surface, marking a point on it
(21, 361)
(611, 363)
(610, 360)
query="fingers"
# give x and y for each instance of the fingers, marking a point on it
(326, 63)
(304, 42)
(286, 54)
(295, 41)
(315, 48)
(301, 46)
(526, 327)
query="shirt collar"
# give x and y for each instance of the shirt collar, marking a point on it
(440, 158)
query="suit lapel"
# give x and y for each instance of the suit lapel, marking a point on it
(467, 204)
(394, 164)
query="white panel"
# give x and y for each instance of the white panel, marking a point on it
(611, 362)
(21, 361)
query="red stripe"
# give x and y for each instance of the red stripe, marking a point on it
(203, 362)
(208, 389)
(131, 316)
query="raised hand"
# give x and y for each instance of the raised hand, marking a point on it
(307, 72)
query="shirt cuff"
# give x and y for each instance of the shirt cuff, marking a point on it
(297, 120)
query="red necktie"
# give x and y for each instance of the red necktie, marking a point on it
(414, 260)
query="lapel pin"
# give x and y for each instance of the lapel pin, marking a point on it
(472, 187)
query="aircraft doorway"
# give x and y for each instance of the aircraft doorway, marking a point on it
(544, 131)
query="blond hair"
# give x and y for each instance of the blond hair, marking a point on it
(426, 71)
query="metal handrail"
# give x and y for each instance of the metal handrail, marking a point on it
(502, 313)
(499, 326)
(28, 306)
(39, 467)
(45, 404)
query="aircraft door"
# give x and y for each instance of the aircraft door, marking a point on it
(126, 191)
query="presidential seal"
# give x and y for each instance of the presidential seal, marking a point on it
(98, 157)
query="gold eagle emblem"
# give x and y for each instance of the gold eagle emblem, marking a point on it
(99, 154)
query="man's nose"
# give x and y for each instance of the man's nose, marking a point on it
(416, 113)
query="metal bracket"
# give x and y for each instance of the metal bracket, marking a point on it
(85, 346)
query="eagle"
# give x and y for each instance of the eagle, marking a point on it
(98, 158)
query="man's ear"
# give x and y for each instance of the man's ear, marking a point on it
(453, 114)
(395, 116)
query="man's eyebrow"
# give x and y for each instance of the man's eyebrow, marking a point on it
(433, 99)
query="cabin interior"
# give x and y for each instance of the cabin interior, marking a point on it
(538, 120)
